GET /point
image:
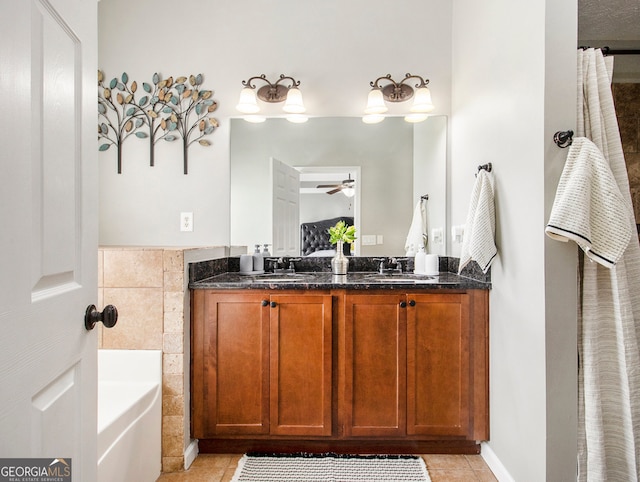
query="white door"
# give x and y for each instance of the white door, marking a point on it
(48, 238)
(286, 209)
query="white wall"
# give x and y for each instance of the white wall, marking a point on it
(334, 48)
(513, 84)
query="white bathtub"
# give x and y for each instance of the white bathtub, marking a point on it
(129, 415)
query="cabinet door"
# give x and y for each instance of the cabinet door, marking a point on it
(438, 367)
(230, 364)
(301, 370)
(374, 385)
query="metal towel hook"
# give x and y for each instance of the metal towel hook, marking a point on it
(563, 138)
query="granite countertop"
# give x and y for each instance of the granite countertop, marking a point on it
(367, 280)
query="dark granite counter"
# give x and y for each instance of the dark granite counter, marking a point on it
(315, 273)
(353, 281)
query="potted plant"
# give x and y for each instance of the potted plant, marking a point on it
(338, 235)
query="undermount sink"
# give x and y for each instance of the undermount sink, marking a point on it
(401, 278)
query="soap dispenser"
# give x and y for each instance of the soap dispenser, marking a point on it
(258, 260)
(419, 261)
(265, 250)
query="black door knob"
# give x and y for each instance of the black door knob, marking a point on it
(273, 304)
(108, 316)
(403, 304)
(264, 303)
(412, 302)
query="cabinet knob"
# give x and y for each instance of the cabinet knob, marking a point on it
(412, 302)
(273, 304)
(265, 302)
(403, 304)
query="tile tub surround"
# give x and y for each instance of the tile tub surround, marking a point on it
(148, 285)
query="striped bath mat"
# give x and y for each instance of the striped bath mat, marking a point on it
(303, 467)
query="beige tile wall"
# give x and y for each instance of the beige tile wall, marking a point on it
(627, 102)
(147, 285)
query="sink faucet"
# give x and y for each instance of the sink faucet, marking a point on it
(292, 266)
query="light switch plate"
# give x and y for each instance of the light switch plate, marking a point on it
(368, 239)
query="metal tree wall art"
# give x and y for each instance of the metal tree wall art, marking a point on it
(168, 110)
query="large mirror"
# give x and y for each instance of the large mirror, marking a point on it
(276, 168)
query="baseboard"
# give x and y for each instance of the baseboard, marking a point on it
(190, 454)
(494, 464)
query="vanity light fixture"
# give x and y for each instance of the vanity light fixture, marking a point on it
(285, 89)
(398, 92)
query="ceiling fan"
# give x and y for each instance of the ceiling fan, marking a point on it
(346, 185)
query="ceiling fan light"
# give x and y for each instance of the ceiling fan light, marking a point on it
(422, 101)
(248, 103)
(294, 104)
(349, 191)
(375, 102)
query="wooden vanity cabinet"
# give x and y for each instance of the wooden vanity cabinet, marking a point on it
(340, 370)
(261, 364)
(410, 365)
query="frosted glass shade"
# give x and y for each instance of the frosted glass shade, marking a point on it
(416, 117)
(297, 118)
(255, 119)
(372, 118)
(375, 103)
(294, 104)
(422, 101)
(248, 103)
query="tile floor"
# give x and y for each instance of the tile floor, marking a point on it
(442, 468)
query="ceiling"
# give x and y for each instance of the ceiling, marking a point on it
(616, 24)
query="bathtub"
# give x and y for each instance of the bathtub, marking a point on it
(129, 415)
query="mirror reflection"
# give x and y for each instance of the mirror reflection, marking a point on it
(285, 176)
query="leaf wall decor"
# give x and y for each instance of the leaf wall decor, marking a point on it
(166, 110)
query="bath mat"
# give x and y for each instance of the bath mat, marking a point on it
(330, 467)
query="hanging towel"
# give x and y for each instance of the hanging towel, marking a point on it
(418, 230)
(589, 207)
(478, 243)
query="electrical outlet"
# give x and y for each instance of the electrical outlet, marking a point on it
(437, 235)
(186, 221)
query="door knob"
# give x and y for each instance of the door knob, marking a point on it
(108, 316)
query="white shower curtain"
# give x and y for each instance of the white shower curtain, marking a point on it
(609, 315)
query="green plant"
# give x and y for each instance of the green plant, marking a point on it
(342, 232)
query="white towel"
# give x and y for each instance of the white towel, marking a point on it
(478, 243)
(589, 207)
(417, 231)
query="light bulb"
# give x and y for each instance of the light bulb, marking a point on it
(294, 104)
(248, 103)
(422, 101)
(375, 103)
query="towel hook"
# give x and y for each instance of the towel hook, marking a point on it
(563, 138)
(424, 197)
(486, 167)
